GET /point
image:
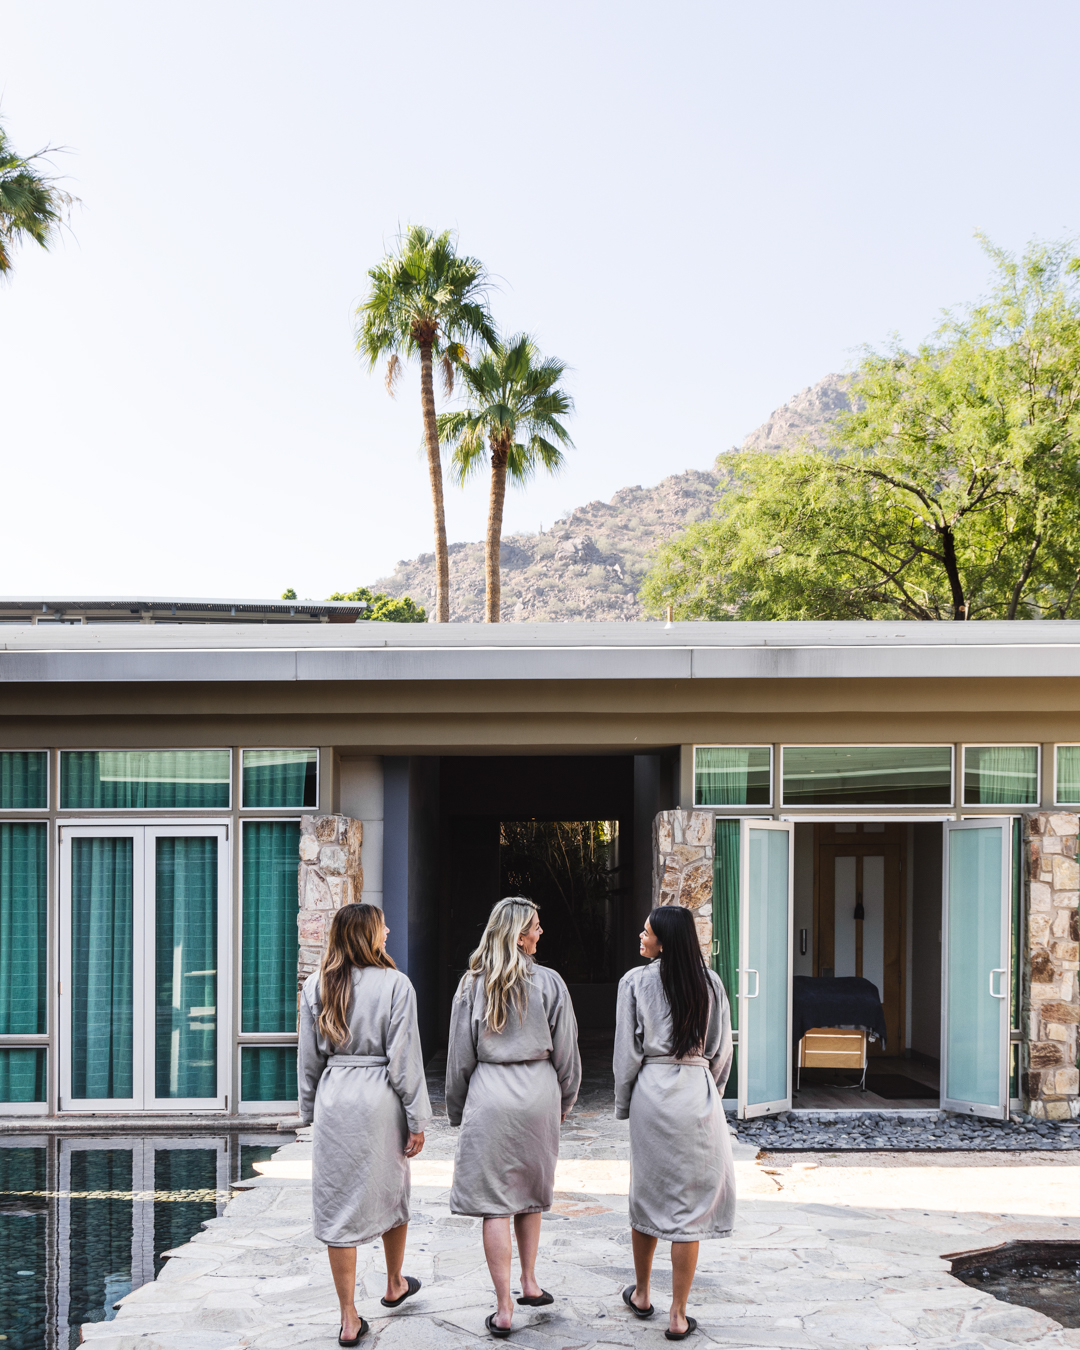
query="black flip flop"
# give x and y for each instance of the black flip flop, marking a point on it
(501, 1332)
(540, 1301)
(627, 1298)
(413, 1286)
(691, 1326)
(364, 1329)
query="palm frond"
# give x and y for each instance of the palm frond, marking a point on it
(393, 373)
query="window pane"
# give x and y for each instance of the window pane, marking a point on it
(102, 908)
(268, 1073)
(1001, 774)
(867, 775)
(271, 942)
(24, 872)
(186, 1045)
(280, 777)
(731, 775)
(143, 779)
(1068, 773)
(22, 1075)
(24, 780)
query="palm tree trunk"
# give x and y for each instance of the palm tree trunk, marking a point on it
(493, 544)
(431, 442)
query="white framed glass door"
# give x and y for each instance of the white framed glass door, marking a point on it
(766, 857)
(144, 956)
(976, 950)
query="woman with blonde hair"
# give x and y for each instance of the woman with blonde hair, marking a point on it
(362, 1084)
(512, 1075)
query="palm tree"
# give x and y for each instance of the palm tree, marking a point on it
(31, 205)
(426, 301)
(513, 401)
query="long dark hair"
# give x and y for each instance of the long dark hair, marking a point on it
(682, 973)
(356, 940)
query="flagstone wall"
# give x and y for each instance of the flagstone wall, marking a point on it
(331, 875)
(682, 866)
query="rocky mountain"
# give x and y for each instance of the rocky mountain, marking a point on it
(590, 564)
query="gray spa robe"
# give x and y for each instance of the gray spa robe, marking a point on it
(508, 1091)
(363, 1112)
(682, 1179)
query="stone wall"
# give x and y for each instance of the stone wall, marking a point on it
(1050, 1082)
(683, 866)
(331, 875)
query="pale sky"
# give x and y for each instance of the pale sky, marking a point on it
(702, 208)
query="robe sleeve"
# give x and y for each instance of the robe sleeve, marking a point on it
(629, 1047)
(461, 1056)
(565, 1056)
(310, 1061)
(718, 1044)
(405, 1068)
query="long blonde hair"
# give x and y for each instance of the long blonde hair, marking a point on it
(500, 962)
(356, 940)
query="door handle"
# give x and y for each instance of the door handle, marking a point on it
(716, 947)
(757, 982)
(992, 974)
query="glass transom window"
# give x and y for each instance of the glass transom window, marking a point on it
(732, 775)
(867, 775)
(24, 780)
(281, 778)
(1067, 776)
(143, 780)
(1001, 775)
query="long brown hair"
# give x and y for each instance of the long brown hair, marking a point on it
(683, 975)
(355, 941)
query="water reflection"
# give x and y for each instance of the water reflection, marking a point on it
(83, 1221)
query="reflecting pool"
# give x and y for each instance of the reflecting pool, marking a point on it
(84, 1220)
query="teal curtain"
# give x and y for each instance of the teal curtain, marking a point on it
(270, 943)
(185, 1052)
(24, 929)
(185, 1191)
(22, 1074)
(100, 1247)
(25, 1227)
(731, 775)
(101, 968)
(137, 780)
(268, 1073)
(1068, 774)
(725, 910)
(284, 778)
(24, 780)
(1000, 775)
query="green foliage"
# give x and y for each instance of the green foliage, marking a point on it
(31, 204)
(952, 490)
(381, 607)
(288, 593)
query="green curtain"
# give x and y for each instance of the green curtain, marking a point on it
(24, 780)
(101, 968)
(185, 1190)
(137, 780)
(185, 1052)
(270, 942)
(100, 1246)
(24, 925)
(268, 1073)
(1001, 775)
(731, 775)
(1068, 773)
(25, 1227)
(725, 909)
(22, 1074)
(280, 777)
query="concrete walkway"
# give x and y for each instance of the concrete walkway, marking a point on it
(830, 1252)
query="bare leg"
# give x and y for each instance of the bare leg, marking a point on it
(393, 1243)
(498, 1251)
(683, 1264)
(644, 1247)
(527, 1232)
(343, 1269)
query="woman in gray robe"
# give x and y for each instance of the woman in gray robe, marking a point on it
(361, 1080)
(512, 1075)
(672, 1060)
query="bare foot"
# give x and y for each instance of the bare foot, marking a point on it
(637, 1304)
(395, 1288)
(677, 1321)
(530, 1287)
(503, 1319)
(350, 1323)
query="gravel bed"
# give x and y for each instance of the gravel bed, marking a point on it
(803, 1131)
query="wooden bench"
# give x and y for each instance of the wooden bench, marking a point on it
(833, 1048)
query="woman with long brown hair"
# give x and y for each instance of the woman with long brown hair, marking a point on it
(672, 1060)
(512, 1074)
(362, 1084)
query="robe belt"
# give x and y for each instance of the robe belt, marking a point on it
(536, 1059)
(694, 1061)
(356, 1061)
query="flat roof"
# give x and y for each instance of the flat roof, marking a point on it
(370, 651)
(149, 609)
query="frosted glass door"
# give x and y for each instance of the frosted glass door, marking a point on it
(765, 917)
(975, 976)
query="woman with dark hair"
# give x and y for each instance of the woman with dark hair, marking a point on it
(362, 1083)
(672, 1060)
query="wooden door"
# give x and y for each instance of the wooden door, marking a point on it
(859, 924)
